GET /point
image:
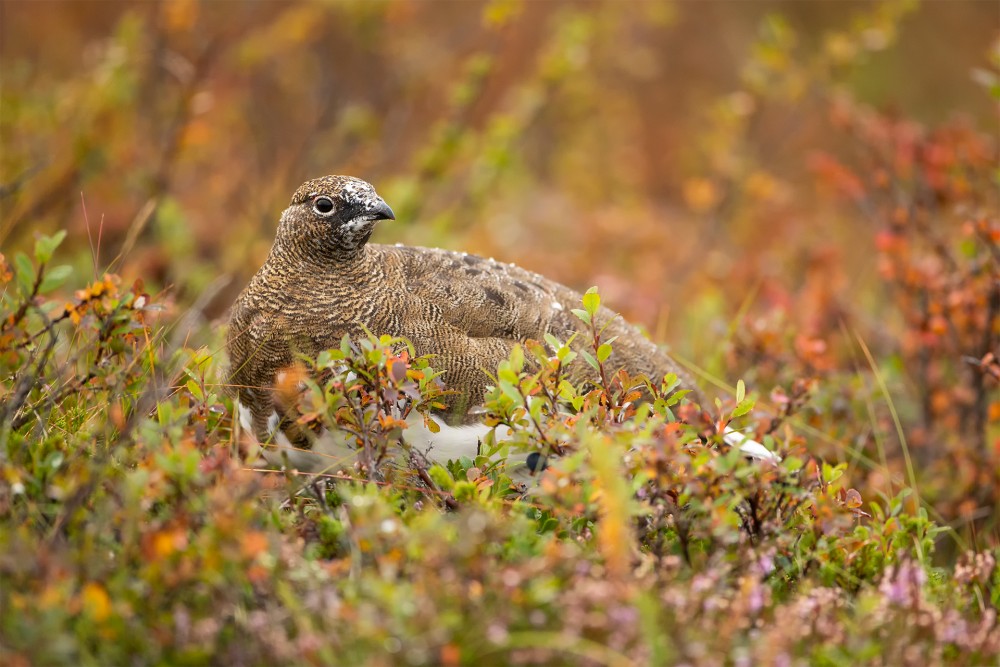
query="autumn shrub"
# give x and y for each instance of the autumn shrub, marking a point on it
(930, 195)
(787, 204)
(136, 529)
(880, 338)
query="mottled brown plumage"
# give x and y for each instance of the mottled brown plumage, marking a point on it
(323, 280)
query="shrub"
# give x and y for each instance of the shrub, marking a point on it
(132, 532)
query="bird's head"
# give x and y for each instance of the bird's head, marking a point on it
(332, 217)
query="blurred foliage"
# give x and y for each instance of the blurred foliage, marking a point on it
(135, 532)
(812, 187)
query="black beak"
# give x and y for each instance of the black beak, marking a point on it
(382, 211)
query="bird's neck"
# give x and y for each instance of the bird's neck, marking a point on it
(313, 260)
(305, 240)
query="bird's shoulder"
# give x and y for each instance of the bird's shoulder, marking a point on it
(479, 295)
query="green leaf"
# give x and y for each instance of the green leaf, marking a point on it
(792, 464)
(676, 397)
(45, 246)
(511, 392)
(535, 409)
(517, 358)
(589, 358)
(744, 406)
(741, 391)
(55, 277)
(441, 477)
(538, 351)
(603, 352)
(566, 390)
(195, 390)
(566, 355)
(832, 473)
(591, 301)
(464, 491)
(25, 271)
(581, 315)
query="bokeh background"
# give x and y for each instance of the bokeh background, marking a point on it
(703, 162)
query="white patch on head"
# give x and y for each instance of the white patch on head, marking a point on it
(356, 225)
(356, 230)
(349, 189)
(556, 305)
(355, 189)
(246, 417)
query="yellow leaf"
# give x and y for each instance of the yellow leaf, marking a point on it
(73, 312)
(163, 544)
(614, 528)
(700, 194)
(431, 425)
(95, 601)
(501, 12)
(762, 186)
(180, 15)
(166, 542)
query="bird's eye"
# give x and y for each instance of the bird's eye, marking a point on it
(323, 205)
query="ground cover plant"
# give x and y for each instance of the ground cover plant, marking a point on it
(138, 527)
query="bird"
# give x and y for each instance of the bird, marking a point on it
(323, 280)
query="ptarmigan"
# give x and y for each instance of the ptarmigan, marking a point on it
(323, 280)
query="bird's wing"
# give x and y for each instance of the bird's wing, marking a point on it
(475, 310)
(481, 297)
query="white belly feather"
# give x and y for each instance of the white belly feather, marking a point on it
(334, 450)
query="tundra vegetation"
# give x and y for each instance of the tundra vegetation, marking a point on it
(821, 226)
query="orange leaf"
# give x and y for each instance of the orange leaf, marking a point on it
(450, 655)
(253, 544)
(288, 383)
(700, 194)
